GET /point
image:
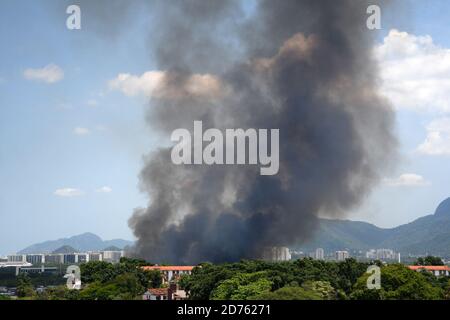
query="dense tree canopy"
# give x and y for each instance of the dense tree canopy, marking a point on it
(310, 279)
(24, 286)
(205, 280)
(429, 261)
(399, 283)
(304, 279)
(242, 286)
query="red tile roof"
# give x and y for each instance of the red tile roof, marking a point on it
(158, 291)
(430, 268)
(169, 268)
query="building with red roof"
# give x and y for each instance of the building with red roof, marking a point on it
(436, 270)
(170, 293)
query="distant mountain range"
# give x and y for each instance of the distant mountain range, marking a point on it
(65, 249)
(427, 235)
(83, 242)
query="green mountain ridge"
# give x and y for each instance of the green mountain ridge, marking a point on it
(427, 235)
(83, 242)
(65, 249)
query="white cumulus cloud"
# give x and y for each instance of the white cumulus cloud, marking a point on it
(407, 180)
(154, 84)
(437, 142)
(104, 189)
(92, 103)
(68, 192)
(49, 74)
(415, 72)
(81, 131)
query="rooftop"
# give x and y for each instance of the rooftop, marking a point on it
(158, 291)
(430, 268)
(169, 268)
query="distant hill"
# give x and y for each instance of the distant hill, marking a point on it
(65, 249)
(426, 235)
(83, 242)
(112, 248)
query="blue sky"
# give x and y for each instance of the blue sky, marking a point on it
(71, 149)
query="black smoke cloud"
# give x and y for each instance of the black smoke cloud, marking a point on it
(304, 67)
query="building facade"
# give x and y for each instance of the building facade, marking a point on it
(17, 258)
(383, 255)
(35, 258)
(276, 254)
(342, 255)
(171, 273)
(319, 254)
(112, 256)
(438, 271)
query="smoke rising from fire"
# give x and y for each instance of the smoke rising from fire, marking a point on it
(304, 67)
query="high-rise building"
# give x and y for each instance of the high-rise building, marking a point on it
(17, 258)
(35, 258)
(382, 254)
(54, 258)
(95, 256)
(276, 254)
(69, 258)
(319, 254)
(81, 257)
(112, 256)
(342, 255)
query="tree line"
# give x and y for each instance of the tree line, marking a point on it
(303, 279)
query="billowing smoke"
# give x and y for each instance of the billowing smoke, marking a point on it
(303, 67)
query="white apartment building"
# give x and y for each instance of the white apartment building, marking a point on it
(383, 254)
(17, 258)
(276, 254)
(171, 273)
(35, 258)
(112, 256)
(438, 271)
(319, 254)
(95, 256)
(65, 258)
(342, 255)
(54, 258)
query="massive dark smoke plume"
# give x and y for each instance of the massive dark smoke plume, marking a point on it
(304, 67)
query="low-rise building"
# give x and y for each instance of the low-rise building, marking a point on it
(156, 294)
(171, 273)
(15, 265)
(170, 293)
(41, 269)
(435, 270)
